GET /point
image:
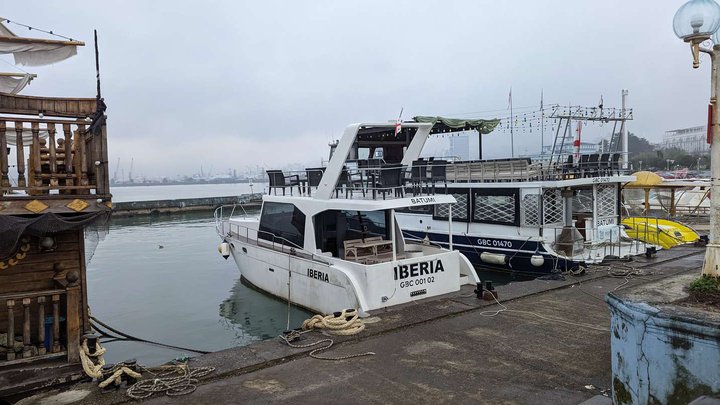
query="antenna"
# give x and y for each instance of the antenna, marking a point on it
(97, 66)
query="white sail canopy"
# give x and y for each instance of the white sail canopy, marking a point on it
(27, 136)
(14, 83)
(35, 52)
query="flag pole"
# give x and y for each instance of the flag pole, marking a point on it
(512, 126)
(542, 124)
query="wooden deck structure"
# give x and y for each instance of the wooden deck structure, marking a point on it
(53, 166)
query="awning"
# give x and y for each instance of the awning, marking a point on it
(443, 124)
(13, 83)
(34, 51)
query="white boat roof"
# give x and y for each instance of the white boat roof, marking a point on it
(311, 206)
(547, 183)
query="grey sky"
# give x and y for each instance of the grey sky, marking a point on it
(235, 84)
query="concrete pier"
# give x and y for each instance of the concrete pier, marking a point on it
(550, 344)
(155, 207)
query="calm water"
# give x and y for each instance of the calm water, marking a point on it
(162, 279)
(184, 293)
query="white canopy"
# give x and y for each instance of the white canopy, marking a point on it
(14, 83)
(27, 137)
(35, 52)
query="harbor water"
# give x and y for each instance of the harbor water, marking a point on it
(161, 278)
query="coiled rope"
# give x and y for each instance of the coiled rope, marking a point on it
(343, 323)
(173, 380)
(91, 368)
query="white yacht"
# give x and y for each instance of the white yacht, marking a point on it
(330, 243)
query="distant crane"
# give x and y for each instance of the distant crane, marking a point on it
(117, 167)
(132, 162)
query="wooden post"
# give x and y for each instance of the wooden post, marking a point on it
(35, 154)
(27, 352)
(53, 157)
(68, 155)
(41, 325)
(11, 331)
(72, 320)
(81, 151)
(4, 179)
(56, 323)
(20, 149)
(102, 177)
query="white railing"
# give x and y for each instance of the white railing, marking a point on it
(225, 228)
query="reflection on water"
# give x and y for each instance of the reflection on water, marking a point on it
(240, 312)
(162, 279)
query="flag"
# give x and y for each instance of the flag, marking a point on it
(601, 102)
(398, 123)
(541, 99)
(510, 99)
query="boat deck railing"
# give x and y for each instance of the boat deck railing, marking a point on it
(374, 179)
(594, 244)
(227, 228)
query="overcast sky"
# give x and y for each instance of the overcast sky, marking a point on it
(236, 83)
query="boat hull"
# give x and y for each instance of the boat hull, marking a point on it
(509, 255)
(326, 285)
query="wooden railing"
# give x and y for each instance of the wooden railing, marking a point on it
(41, 156)
(26, 309)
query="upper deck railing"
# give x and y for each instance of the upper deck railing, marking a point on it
(373, 178)
(52, 154)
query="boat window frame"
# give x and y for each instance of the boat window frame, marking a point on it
(501, 192)
(452, 191)
(300, 237)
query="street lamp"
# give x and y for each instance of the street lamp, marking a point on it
(695, 22)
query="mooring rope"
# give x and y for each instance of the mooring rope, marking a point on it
(173, 380)
(124, 336)
(343, 323)
(91, 368)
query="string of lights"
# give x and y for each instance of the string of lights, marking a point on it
(37, 29)
(550, 117)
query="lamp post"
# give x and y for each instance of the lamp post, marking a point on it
(695, 22)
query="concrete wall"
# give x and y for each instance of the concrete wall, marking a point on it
(660, 355)
(182, 205)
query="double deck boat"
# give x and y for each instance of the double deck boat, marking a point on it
(332, 240)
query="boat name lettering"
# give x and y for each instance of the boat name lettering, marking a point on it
(417, 282)
(319, 275)
(422, 200)
(494, 242)
(597, 180)
(605, 221)
(404, 271)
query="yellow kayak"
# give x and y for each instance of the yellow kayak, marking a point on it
(661, 232)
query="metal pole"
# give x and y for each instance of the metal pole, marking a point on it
(97, 66)
(623, 134)
(512, 126)
(712, 252)
(392, 234)
(450, 232)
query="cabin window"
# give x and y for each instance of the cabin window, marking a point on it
(334, 227)
(531, 210)
(460, 210)
(606, 200)
(496, 206)
(416, 209)
(552, 207)
(282, 223)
